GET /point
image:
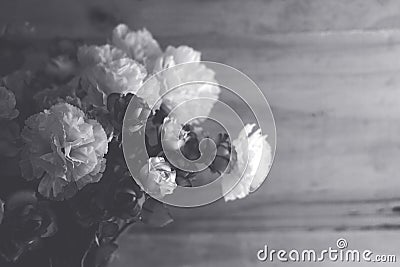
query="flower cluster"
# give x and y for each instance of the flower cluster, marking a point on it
(62, 125)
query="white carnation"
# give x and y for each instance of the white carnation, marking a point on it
(175, 77)
(139, 45)
(157, 177)
(109, 70)
(254, 160)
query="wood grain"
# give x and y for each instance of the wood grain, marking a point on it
(239, 249)
(330, 70)
(186, 17)
(335, 98)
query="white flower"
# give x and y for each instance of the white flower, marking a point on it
(254, 160)
(170, 135)
(157, 178)
(139, 45)
(7, 104)
(177, 55)
(175, 77)
(64, 150)
(109, 70)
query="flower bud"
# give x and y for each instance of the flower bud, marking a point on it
(125, 201)
(190, 149)
(183, 178)
(222, 162)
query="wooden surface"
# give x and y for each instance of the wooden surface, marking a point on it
(330, 70)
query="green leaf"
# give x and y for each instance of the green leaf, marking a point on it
(104, 253)
(155, 213)
(20, 199)
(99, 256)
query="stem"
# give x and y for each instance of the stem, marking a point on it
(122, 230)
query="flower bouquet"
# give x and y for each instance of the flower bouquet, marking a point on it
(75, 174)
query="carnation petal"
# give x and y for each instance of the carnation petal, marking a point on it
(254, 158)
(139, 45)
(170, 82)
(63, 149)
(107, 70)
(157, 178)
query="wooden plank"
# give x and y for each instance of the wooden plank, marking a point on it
(185, 17)
(238, 249)
(335, 98)
(330, 70)
(334, 94)
(283, 216)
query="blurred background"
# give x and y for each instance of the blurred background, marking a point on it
(330, 70)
